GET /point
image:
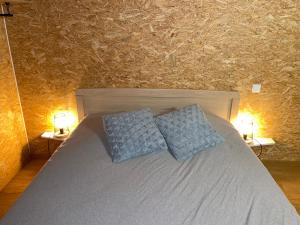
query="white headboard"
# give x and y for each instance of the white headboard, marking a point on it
(107, 100)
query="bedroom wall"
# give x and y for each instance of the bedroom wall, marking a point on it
(13, 141)
(59, 46)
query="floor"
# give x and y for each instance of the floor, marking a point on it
(287, 175)
(18, 184)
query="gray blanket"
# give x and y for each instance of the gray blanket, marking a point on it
(226, 185)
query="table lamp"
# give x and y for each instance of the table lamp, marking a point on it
(247, 129)
(245, 124)
(61, 124)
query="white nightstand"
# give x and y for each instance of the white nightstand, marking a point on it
(51, 137)
(260, 142)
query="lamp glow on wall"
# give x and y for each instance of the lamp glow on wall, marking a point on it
(247, 125)
(62, 122)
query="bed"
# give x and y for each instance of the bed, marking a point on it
(80, 185)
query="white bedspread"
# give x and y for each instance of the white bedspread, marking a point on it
(80, 185)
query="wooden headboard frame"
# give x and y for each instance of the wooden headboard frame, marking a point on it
(107, 100)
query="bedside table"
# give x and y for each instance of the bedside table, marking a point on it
(51, 137)
(260, 142)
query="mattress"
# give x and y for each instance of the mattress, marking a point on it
(225, 185)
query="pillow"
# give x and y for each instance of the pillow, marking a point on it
(132, 134)
(187, 132)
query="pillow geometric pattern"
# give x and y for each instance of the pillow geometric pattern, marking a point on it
(187, 132)
(132, 134)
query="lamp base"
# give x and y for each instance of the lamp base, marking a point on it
(249, 141)
(61, 135)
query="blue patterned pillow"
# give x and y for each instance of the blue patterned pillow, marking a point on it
(187, 131)
(132, 134)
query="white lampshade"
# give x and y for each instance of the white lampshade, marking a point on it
(60, 121)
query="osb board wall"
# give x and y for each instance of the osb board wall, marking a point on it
(59, 46)
(13, 142)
